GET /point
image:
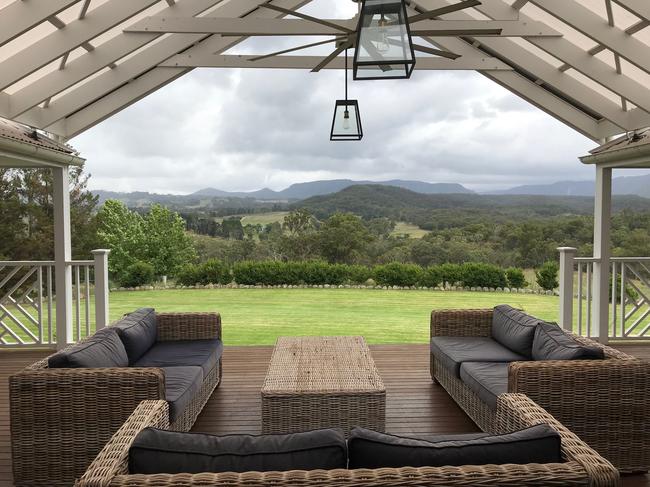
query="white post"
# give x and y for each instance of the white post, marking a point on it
(101, 287)
(602, 253)
(62, 256)
(567, 255)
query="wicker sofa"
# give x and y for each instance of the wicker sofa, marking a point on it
(605, 402)
(62, 416)
(582, 465)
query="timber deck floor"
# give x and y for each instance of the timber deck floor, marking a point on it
(414, 404)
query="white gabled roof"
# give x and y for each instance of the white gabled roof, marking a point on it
(66, 65)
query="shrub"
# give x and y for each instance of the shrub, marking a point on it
(358, 274)
(450, 273)
(482, 275)
(188, 275)
(516, 278)
(431, 276)
(213, 271)
(138, 274)
(268, 273)
(547, 275)
(396, 274)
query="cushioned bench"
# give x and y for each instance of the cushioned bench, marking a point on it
(530, 448)
(478, 355)
(66, 407)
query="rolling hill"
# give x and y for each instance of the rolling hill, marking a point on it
(634, 185)
(374, 201)
(300, 191)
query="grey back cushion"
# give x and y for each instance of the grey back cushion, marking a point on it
(103, 349)
(138, 332)
(370, 449)
(551, 343)
(159, 451)
(514, 329)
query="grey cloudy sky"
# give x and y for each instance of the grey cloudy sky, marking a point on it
(246, 129)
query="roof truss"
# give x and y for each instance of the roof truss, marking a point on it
(130, 49)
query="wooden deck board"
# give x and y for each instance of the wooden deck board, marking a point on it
(414, 404)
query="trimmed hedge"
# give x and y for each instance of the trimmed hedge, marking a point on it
(138, 274)
(274, 273)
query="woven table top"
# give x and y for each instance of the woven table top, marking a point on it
(322, 365)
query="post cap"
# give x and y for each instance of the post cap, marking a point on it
(571, 250)
(100, 251)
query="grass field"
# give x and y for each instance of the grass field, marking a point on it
(259, 316)
(413, 231)
(261, 218)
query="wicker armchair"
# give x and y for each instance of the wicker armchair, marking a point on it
(604, 402)
(61, 418)
(515, 411)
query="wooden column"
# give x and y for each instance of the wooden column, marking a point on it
(602, 252)
(567, 255)
(62, 256)
(101, 288)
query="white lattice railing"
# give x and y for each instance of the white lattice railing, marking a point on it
(630, 310)
(28, 302)
(629, 296)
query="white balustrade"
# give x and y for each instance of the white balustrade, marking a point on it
(28, 301)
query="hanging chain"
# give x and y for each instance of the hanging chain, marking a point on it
(346, 75)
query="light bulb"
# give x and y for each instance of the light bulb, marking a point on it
(383, 45)
(346, 120)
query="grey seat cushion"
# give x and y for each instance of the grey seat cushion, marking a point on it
(103, 349)
(200, 353)
(453, 351)
(487, 379)
(369, 449)
(551, 343)
(138, 332)
(158, 451)
(181, 385)
(514, 329)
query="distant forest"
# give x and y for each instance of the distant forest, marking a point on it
(354, 226)
(522, 231)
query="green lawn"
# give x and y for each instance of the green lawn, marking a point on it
(413, 231)
(259, 316)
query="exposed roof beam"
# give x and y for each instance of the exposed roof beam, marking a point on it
(597, 70)
(20, 16)
(282, 27)
(308, 62)
(640, 8)
(505, 11)
(238, 27)
(588, 65)
(54, 45)
(595, 27)
(104, 55)
(115, 102)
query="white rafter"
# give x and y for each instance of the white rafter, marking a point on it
(184, 35)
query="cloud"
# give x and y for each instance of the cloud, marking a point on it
(245, 129)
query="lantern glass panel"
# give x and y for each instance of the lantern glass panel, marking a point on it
(346, 127)
(384, 47)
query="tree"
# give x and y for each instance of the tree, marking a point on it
(166, 245)
(120, 230)
(343, 238)
(547, 275)
(299, 221)
(27, 214)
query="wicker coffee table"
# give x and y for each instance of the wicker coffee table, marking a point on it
(322, 382)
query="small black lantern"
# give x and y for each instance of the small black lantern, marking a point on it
(384, 47)
(346, 124)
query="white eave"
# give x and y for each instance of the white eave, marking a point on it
(627, 151)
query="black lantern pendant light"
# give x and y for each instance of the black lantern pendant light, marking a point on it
(346, 124)
(384, 46)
